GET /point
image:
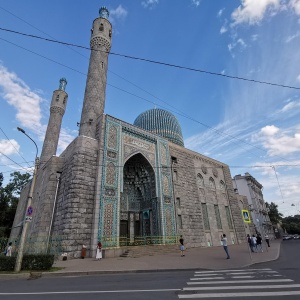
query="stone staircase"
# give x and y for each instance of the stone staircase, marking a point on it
(149, 250)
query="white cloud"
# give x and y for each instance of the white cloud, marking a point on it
(279, 142)
(220, 12)
(223, 29)
(292, 37)
(119, 13)
(25, 101)
(269, 130)
(291, 105)
(295, 4)
(298, 78)
(254, 37)
(253, 11)
(65, 138)
(196, 2)
(27, 105)
(150, 3)
(9, 147)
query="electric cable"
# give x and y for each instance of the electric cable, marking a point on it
(132, 94)
(13, 146)
(153, 61)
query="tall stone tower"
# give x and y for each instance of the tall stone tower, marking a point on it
(57, 110)
(94, 97)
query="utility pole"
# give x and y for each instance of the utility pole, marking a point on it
(28, 208)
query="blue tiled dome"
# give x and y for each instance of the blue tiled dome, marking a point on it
(161, 122)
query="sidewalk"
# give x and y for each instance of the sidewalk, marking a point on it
(195, 258)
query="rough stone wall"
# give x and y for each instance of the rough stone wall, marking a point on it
(185, 188)
(20, 214)
(44, 198)
(76, 195)
(234, 207)
(94, 97)
(243, 204)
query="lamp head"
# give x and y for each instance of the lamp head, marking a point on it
(20, 129)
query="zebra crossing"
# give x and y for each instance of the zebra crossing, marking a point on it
(239, 283)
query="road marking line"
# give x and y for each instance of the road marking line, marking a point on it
(207, 278)
(241, 273)
(208, 274)
(247, 294)
(232, 270)
(240, 281)
(242, 287)
(91, 292)
(236, 277)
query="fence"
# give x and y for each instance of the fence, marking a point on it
(37, 245)
(109, 242)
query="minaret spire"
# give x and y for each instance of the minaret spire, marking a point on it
(57, 110)
(94, 97)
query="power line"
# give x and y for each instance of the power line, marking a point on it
(152, 61)
(132, 94)
(14, 146)
(14, 162)
(7, 165)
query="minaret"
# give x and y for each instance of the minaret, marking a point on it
(57, 110)
(94, 97)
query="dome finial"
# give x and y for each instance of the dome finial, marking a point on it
(103, 12)
(62, 84)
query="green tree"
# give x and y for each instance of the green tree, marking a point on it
(274, 215)
(291, 224)
(9, 196)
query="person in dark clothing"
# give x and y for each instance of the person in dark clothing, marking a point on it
(250, 242)
(267, 240)
(181, 246)
(258, 243)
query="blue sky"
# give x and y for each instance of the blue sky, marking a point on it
(249, 126)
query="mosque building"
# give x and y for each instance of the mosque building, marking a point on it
(125, 184)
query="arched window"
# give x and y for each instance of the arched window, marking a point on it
(212, 183)
(200, 180)
(222, 185)
(57, 98)
(101, 28)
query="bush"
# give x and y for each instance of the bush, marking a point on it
(29, 262)
(7, 263)
(37, 261)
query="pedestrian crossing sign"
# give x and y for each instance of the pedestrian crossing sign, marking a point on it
(246, 216)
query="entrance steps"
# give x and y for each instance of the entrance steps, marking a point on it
(149, 250)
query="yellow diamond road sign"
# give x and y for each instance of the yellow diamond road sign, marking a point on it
(246, 216)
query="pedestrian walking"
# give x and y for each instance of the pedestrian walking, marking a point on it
(225, 246)
(99, 251)
(267, 240)
(259, 243)
(181, 246)
(249, 240)
(253, 238)
(9, 249)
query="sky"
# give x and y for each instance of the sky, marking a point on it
(252, 127)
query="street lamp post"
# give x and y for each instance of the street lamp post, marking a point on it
(29, 200)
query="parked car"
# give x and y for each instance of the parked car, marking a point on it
(296, 237)
(287, 237)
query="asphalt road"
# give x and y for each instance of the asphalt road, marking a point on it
(274, 280)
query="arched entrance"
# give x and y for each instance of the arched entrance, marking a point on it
(138, 209)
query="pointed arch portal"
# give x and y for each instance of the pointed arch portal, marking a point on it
(138, 209)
